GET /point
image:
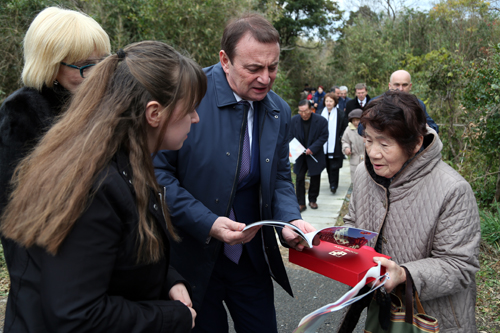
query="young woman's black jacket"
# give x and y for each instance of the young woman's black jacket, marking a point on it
(93, 284)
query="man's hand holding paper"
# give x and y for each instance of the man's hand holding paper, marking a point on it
(231, 232)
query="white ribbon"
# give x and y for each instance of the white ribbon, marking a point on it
(311, 322)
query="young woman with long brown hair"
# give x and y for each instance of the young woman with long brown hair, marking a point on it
(87, 210)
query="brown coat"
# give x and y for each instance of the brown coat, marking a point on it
(432, 228)
(352, 140)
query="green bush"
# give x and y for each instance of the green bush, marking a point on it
(490, 225)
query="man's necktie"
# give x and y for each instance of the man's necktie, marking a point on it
(233, 252)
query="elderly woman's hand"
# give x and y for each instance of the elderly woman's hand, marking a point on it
(397, 274)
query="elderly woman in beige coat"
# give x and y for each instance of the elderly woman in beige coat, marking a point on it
(352, 143)
(424, 211)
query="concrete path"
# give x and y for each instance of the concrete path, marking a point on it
(312, 290)
(329, 204)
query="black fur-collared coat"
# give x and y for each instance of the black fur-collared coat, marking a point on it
(24, 117)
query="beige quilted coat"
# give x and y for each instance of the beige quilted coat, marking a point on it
(352, 140)
(431, 228)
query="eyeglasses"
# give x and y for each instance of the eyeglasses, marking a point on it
(84, 70)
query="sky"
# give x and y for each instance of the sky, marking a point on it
(353, 5)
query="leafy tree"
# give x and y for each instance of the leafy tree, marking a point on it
(191, 26)
(363, 12)
(364, 53)
(464, 25)
(481, 99)
(15, 18)
(440, 71)
(306, 18)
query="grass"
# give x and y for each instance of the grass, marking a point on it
(4, 275)
(490, 225)
(488, 278)
(488, 289)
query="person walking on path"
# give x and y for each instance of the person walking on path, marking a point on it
(361, 101)
(337, 123)
(311, 130)
(352, 143)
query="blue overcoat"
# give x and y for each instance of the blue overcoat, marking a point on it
(201, 180)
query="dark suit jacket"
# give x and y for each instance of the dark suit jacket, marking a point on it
(354, 104)
(93, 283)
(318, 134)
(342, 103)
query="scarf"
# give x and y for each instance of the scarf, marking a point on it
(329, 146)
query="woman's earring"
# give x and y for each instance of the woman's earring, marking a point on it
(56, 82)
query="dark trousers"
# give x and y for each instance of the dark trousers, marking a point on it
(248, 294)
(300, 183)
(333, 166)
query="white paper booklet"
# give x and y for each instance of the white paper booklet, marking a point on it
(340, 235)
(296, 149)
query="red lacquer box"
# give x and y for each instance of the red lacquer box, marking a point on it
(343, 264)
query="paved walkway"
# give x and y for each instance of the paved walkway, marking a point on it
(312, 290)
(329, 204)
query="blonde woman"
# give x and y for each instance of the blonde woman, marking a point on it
(57, 41)
(55, 36)
(87, 214)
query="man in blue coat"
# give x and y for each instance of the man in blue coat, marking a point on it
(343, 99)
(234, 166)
(311, 130)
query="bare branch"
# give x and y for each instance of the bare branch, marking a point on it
(309, 47)
(486, 175)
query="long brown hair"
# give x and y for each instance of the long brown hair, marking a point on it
(54, 184)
